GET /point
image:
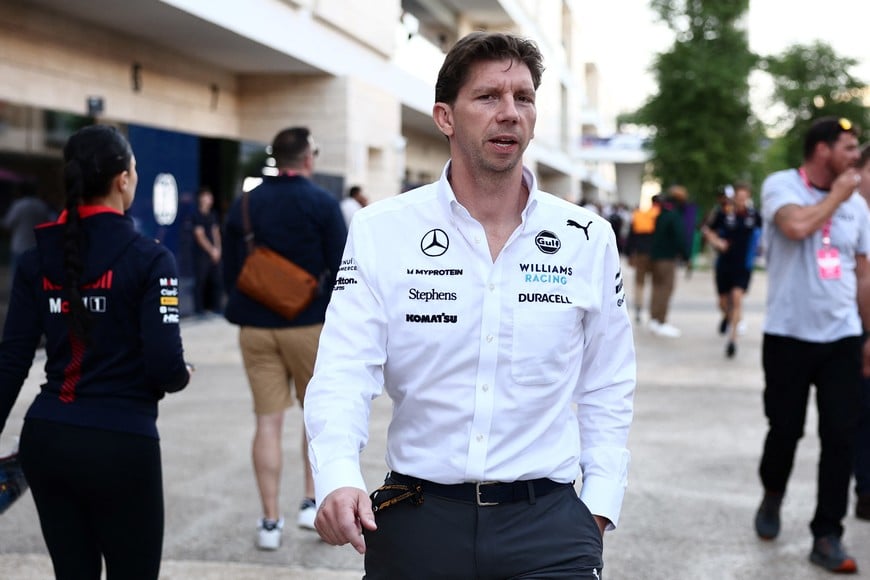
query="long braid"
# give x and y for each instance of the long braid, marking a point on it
(79, 317)
(94, 156)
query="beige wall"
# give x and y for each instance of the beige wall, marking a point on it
(374, 146)
(425, 156)
(356, 124)
(56, 63)
(373, 22)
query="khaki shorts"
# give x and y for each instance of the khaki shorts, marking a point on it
(274, 357)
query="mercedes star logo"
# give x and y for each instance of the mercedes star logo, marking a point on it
(434, 243)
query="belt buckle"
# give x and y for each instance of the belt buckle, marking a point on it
(477, 493)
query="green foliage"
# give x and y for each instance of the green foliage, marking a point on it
(705, 135)
(811, 81)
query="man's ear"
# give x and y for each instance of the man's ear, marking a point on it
(442, 114)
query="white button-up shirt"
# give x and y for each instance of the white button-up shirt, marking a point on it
(509, 370)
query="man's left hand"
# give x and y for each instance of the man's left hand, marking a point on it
(602, 523)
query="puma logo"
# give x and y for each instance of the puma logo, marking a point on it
(585, 228)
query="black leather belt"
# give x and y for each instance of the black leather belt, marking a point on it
(484, 493)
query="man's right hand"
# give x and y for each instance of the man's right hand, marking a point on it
(845, 183)
(342, 516)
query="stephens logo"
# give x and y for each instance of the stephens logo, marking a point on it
(547, 242)
(427, 295)
(435, 243)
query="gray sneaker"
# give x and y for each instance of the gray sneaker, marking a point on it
(828, 552)
(767, 516)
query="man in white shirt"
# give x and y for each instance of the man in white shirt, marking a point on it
(494, 316)
(354, 202)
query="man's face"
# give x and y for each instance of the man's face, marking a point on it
(493, 119)
(844, 153)
(741, 196)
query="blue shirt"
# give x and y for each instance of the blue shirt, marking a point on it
(302, 222)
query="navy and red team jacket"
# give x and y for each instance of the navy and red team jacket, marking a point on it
(134, 355)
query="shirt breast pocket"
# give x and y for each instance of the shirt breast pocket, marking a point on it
(542, 344)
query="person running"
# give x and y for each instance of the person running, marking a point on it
(734, 232)
(106, 298)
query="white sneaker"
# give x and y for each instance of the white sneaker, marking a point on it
(741, 327)
(269, 534)
(307, 513)
(668, 330)
(653, 325)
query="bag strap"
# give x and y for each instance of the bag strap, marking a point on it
(246, 222)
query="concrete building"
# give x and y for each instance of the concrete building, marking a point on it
(201, 87)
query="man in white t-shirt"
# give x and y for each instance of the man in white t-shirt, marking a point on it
(354, 202)
(817, 237)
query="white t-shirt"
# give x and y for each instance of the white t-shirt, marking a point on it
(800, 304)
(349, 206)
(497, 370)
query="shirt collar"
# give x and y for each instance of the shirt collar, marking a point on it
(453, 207)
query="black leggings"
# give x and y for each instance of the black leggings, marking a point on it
(99, 495)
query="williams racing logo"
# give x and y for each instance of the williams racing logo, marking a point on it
(435, 243)
(547, 242)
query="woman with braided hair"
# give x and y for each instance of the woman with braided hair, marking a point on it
(106, 299)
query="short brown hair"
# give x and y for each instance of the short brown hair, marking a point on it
(827, 130)
(290, 146)
(484, 46)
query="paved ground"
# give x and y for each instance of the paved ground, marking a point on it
(692, 492)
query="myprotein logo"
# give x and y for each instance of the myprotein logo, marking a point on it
(548, 242)
(435, 243)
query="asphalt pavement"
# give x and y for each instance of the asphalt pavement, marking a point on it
(692, 494)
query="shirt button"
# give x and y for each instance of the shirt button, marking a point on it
(489, 338)
(491, 287)
(485, 388)
(476, 240)
(479, 438)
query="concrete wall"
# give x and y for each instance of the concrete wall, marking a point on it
(56, 63)
(425, 156)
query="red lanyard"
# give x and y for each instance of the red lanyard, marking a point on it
(826, 229)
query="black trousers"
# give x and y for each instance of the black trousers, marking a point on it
(550, 537)
(862, 443)
(790, 367)
(208, 290)
(99, 495)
